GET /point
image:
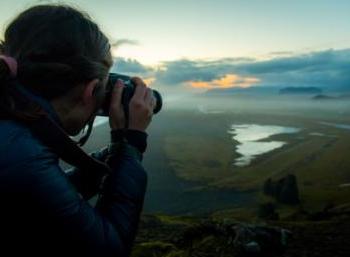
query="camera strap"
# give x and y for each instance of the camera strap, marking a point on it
(85, 138)
(47, 130)
(51, 135)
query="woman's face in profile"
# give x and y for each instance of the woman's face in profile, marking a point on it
(96, 101)
(87, 100)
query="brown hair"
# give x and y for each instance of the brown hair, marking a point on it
(56, 47)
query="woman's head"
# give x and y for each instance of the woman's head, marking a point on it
(59, 50)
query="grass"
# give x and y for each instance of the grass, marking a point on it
(320, 163)
(176, 220)
(198, 158)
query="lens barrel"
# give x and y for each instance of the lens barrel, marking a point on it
(128, 92)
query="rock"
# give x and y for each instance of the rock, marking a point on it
(268, 211)
(284, 190)
(289, 193)
(252, 247)
(268, 187)
(236, 239)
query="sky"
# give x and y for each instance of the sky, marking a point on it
(221, 43)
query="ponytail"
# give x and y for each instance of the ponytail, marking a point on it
(6, 80)
(12, 104)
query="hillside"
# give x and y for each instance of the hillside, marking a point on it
(170, 236)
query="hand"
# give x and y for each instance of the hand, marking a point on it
(140, 107)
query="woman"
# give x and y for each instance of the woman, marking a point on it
(57, 59)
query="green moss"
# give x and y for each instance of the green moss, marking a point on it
(173, 220)
(153, 249)
(177, 254)
(199, 159)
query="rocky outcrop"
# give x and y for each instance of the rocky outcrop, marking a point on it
(268, 211)
(284, 190)
(190, 236)
(211, 238)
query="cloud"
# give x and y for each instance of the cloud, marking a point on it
(149, 81)
(177, 72)
(123, 65)
(184, 70)
(132, 67)
(124, 41)
(325, 60)
(329, 68)
(281, 53)
(227, 81)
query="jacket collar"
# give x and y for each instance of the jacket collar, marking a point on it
(44, 103)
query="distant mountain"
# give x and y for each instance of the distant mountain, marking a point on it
(323, 97)
(327, 97)
(300, 91)
(275, 90)
(344, 97)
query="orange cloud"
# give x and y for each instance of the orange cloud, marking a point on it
(199, 84)
(229, 80)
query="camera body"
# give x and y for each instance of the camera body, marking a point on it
(128, 92)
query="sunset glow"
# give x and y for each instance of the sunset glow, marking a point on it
(229, 80)
(199, 46)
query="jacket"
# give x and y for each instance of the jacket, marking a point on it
(45, 210)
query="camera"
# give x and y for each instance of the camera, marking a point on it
(128, 92)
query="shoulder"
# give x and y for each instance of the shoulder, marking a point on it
(19, 145)
(29, 170)
(26, 165)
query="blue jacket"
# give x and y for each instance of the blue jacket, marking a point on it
(44, 210)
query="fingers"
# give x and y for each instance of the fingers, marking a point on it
(117, 95)
(140, 107)
(140, 90)
(116, 112)
(149, 99)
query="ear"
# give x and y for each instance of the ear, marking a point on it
(89, 92)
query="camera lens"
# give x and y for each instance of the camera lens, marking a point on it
(128, 92)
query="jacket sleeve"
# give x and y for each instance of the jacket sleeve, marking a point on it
(88, 182)
(108, 229)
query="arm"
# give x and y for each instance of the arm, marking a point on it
(123, 191)
(88, 182)
(110, 228)
(132, 130)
